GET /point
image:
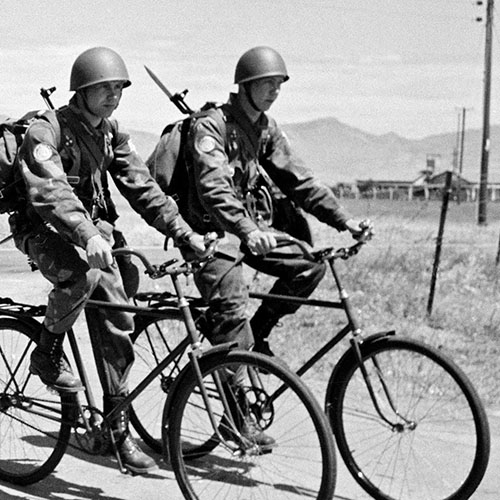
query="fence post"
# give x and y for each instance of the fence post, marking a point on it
(439, 240)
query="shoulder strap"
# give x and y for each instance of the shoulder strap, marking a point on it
(250, 135)
(69, 118)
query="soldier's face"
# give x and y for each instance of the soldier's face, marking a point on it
(265, 91)
(103, 98)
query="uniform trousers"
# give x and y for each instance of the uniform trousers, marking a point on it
(73, 284)
(221, 284)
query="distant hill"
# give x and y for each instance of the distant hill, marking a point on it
(337, 152)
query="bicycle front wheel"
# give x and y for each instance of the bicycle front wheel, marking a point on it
(35, 424)
(429, 437)
(265, 398)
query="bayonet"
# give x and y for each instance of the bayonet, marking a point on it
(177, 98)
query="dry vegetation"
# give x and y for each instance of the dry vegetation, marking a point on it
(389, 283)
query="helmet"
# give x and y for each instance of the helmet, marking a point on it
(97, 65)
(259, 62)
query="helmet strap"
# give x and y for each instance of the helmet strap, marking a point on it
(82, 101)
(248, 94)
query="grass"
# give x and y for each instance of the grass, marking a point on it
(389, 284)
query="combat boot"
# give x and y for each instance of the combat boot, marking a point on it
(131, 456)
(262, 323)
(49, 363)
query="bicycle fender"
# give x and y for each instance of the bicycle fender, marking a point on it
(348, 358)
(30, 322)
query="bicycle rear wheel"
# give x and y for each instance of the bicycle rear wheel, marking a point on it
(433, 442)
(154, 341)
(35, 424)
(301, 462)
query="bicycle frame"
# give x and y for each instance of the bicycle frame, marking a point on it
(26, 313)
(352, 327)
(192, 339)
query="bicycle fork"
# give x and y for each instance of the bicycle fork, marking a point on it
(379, 378)
(379, 375)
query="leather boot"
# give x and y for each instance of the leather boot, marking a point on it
(131, 456)
(49, 363)
(262, 323)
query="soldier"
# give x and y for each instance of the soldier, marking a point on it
(229, 150)
(66, 227)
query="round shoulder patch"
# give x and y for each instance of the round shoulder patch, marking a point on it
(42, 152)
(206, 144)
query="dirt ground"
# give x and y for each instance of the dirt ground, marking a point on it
(84, 477)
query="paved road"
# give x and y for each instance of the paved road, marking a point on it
(83, 477)
(80, 477)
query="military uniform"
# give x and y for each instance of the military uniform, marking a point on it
(223, 169)
(67, 203)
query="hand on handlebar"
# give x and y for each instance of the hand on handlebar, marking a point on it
(360, 230)
(98, 252)
(203, 245)
(260, 242)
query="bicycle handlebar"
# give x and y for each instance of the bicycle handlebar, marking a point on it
(188, 266)
(155, 271)
(325, 253)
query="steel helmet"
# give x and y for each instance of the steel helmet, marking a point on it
(259, 62)
(97, 65)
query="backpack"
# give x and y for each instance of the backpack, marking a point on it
(167, 162)
(11, 137)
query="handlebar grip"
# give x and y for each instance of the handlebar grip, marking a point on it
(129, 251)
(283, 239)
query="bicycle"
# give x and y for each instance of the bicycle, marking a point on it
(401, 411)
(217, 392)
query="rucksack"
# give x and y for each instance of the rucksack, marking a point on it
(11, 137)
(167, 162)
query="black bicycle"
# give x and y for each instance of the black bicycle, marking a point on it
(215, 396)
(408, 423)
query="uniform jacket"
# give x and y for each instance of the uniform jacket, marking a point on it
(222, 167)
(66, 182)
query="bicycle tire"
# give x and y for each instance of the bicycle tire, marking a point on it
(301, 464)
(153, 341)
(35, 424)
(440, 452)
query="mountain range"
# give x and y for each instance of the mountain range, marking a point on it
(337, 152)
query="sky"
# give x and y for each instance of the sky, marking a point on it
(401, 66)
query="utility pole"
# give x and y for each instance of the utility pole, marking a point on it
(461, 152)
(485, 147)
(462, 137)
